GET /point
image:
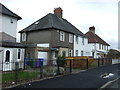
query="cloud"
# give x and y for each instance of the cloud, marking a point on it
(103, 14)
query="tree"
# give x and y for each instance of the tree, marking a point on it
(114, 54)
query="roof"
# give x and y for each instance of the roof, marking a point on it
(52, 21)
(8, 12)
(11, 44)
(94, 38)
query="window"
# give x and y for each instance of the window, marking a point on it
(81, 53)
(93, 54)
(7, 58)
(107, 48)
(70, 52)
(62, 36)
(99, 46)
(77, 39)
(76, 53)
(64, 53)
(83, 40)
(56, 54)
(11, 20)
(19, 53)
(102, 47)
(70, 38)
(23, 36)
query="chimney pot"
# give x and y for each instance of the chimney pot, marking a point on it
(58, 12)
(92, 29)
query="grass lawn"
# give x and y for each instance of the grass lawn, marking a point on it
(18, 76)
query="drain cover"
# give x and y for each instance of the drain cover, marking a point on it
(107, 75)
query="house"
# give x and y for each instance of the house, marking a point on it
(10, 50)
(51, 36)
(99, 46)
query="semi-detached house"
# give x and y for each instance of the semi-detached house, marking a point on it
(99, 47)
(51, 36)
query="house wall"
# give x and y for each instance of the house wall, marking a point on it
(36, 37)
(7, 26)
(82, 47)
(95, 48)
(50, 36)
(56, 40)
(11, 64)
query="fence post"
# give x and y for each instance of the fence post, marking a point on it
(16, 72)
(98, 62)
(70, 66)
(87, 67)
(41, 68)
(58, 69)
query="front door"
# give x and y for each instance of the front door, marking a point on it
(7, 62)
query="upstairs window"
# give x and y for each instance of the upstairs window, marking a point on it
(77, 39)
(62, 36)
(70, 38)
(83, 40)
(11, 20)
(99, 46)
(23, 36)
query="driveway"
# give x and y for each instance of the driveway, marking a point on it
(87, 79)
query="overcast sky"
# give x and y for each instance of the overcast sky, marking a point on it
(103, 14)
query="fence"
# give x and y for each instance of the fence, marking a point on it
(36, 69)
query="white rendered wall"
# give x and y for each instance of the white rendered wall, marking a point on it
(7, 26)
(82, 47)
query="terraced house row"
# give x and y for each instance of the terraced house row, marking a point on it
(47, 38)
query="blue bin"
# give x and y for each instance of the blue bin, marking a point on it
(41, 61)
(26, 61)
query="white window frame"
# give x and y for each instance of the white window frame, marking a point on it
(82, 53)
(83, 40)
(70, 52)
(70, 38)
(62, 36)
(24, 36)
(77, 40)
(76, 52)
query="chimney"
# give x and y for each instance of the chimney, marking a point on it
(58, 12)
(92, 29)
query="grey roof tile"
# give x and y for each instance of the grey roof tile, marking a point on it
(8, 12)
(52, 21)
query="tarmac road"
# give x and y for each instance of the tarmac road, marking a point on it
(87, 79)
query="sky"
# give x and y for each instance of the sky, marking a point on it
(103, 14)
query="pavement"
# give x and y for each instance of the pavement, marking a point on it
(91, 78)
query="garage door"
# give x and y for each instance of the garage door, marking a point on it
(43, 55)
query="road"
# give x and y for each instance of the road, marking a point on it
(90, 78)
